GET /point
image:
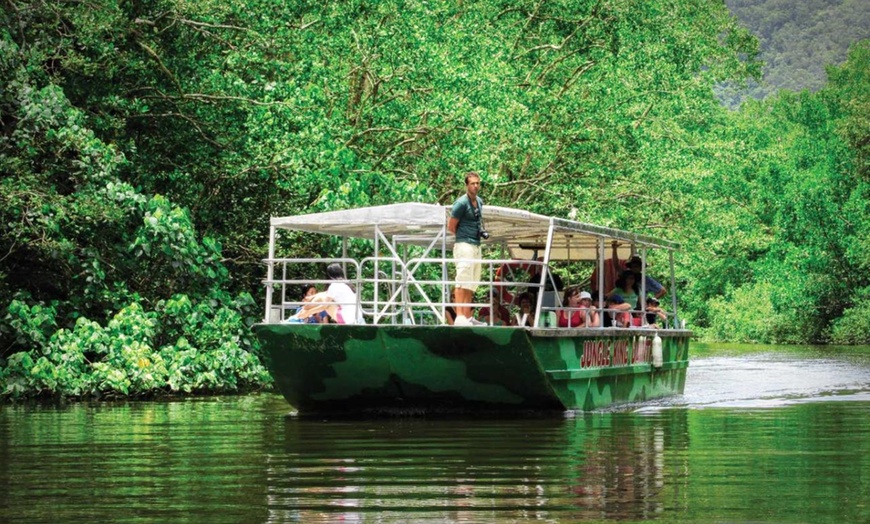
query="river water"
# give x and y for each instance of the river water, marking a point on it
(761, 434)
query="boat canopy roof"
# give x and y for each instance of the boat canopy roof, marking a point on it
(523, 233)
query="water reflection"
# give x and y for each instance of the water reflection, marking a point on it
(135, 461)
(758, 436)
(606, 465)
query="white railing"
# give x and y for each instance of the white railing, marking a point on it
(409, 293)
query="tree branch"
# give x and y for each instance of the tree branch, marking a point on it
(577, 72)
(381, 130)
(156, 57)
(211, 98)
(192, 121)
(11, 249)
(643, 116)
(185, 21)
(303, 27)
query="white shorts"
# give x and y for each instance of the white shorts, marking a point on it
(467, 272)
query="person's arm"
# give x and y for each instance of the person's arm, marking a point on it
(592, 319)
(655, 287)
(620, 312)
(305, 311)
(452, 224)
(614, 259)
(456, 213)
(317, 303)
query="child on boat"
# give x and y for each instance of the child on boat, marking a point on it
(319, 318)
(580, 312)
(339, 300)
(617, 314)
(655, 315)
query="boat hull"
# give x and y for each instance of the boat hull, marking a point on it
(363, 368)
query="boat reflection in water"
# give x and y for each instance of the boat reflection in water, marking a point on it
(591, 466)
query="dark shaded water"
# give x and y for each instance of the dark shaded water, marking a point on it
(761, 435)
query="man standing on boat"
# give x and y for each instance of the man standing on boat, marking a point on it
(465, 222)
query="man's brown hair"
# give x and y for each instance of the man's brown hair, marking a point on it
(471, 174)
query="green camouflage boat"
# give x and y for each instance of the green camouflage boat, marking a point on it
(404, 356)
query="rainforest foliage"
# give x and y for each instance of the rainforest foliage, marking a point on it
(143, 146)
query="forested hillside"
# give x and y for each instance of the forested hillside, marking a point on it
(798, 39)
(144, 145)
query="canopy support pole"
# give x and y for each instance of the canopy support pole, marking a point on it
(545, 272)
(674, 291)
(270, 273)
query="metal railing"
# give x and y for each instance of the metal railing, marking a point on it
(408, 292)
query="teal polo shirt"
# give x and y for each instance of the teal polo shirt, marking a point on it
(469, 224)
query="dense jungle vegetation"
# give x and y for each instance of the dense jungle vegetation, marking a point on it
(143, 146)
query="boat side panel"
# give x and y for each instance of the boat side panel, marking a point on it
(346, 368)
(302, 358)
(594, 372)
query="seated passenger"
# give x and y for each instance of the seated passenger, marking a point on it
(320, 318)
(496, 314)
(593, 319)
(316, 305)
(580, 312)
(655, 315)
(526, 316)
(339, 300)
(626, 288)
(617, 314)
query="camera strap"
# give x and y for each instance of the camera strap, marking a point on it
(478, 214)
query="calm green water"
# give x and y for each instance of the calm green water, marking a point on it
(761, 435)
